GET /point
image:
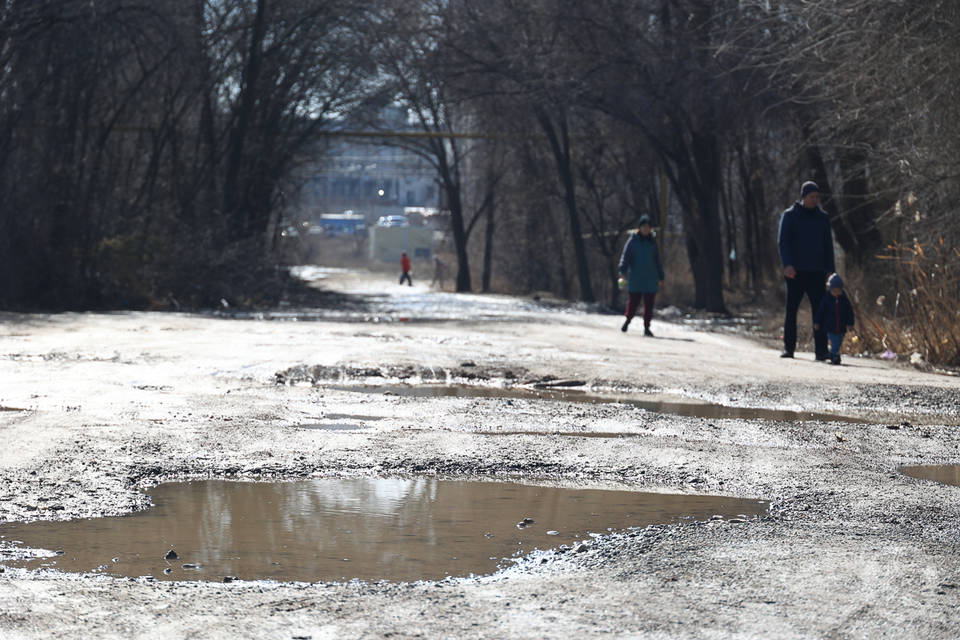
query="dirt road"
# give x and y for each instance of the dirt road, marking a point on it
(98, 406)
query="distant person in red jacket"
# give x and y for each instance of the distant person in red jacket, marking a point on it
(405, 267)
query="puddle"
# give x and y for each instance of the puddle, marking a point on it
(352, 416)
(350, 422)
(335, 529)
(564, 434)
(942, 473)
(656, 404)
(332, 426)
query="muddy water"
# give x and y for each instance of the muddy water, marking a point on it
(335, 529)
(602, 435)
(945, 473)
(657, 404)
(332, 426)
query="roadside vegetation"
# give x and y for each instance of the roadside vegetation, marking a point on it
(919, 316)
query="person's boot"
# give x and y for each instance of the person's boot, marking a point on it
(786, 354)
(647, 332)
(626, 323)
(835, 359)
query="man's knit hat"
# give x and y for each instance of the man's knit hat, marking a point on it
(808, 187)
(834, 282)
(644, 219)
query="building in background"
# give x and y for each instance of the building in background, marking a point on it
(386, 244)
(367, 178)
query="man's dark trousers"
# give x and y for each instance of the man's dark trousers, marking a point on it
(813, 284)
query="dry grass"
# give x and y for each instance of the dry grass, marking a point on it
(921, 313)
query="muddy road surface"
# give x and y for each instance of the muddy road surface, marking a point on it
(419, 387)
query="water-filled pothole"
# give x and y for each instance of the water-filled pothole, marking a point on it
(336, 529)
(602, 435)
(332, 426)
(656, 404)
(943, 473)
(352, 416)
(351, 422)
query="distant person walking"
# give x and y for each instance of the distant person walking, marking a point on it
(439, 272)
(405, 268)
(806, 251)
(640, 263)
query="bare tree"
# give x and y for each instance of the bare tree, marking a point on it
(870, 86)
(517, 52)
(409, 48)
(141, 144)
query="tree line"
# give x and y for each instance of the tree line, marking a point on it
(146, 148)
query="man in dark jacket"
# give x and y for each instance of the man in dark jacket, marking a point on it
(806, 251)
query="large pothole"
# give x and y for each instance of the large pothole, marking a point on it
(942, 473)
(398, 529)
(650, 402)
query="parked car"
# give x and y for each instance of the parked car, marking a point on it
(393, 221)
(342, 224)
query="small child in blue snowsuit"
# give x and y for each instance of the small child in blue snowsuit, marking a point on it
(835, 316)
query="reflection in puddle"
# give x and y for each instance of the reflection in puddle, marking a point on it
(613, 435)
(352, 416)
(943, 473)
(354, 422)
(331, 426)
(657, 404)
(333, 529)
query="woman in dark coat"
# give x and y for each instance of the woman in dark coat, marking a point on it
(640, 262)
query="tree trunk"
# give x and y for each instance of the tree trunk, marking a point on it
(561, 260)
(459, 234)
(758, 250)
(708, 268)
(859, 206)
(817, 170)
(560, 145)
(731, 255)
(703, 227)
(233, 202)
(705, 253)
(488, 248)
